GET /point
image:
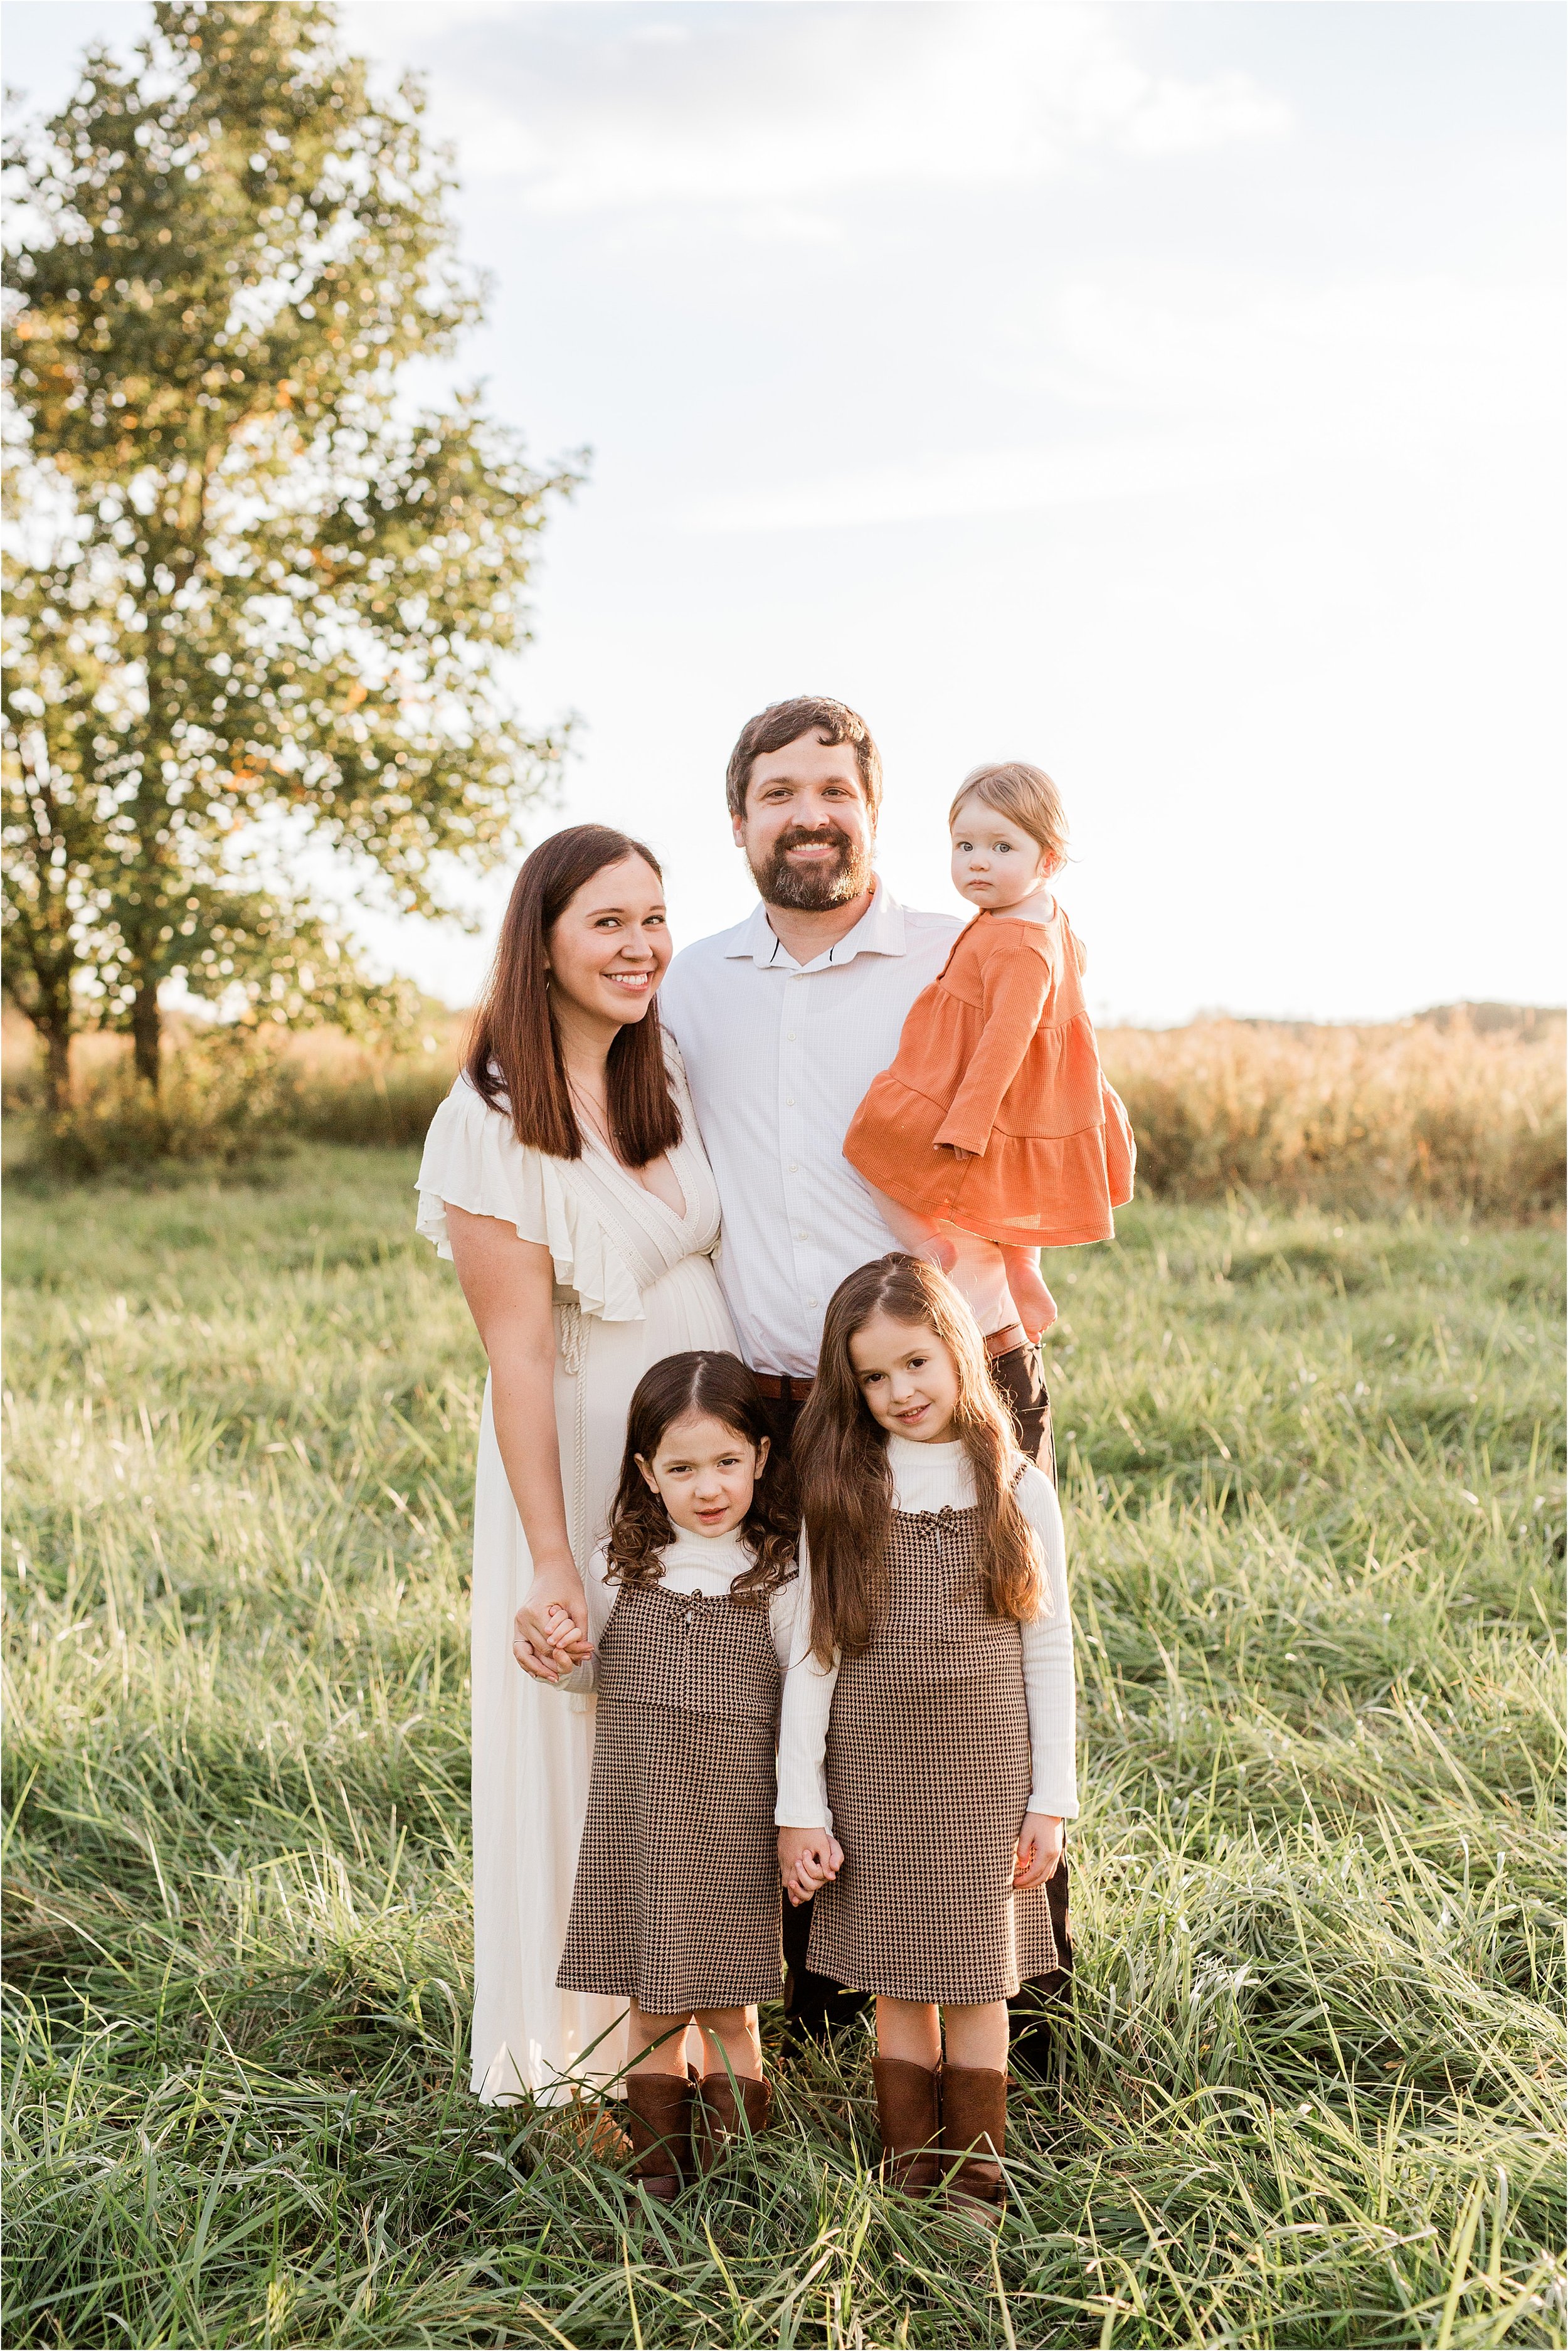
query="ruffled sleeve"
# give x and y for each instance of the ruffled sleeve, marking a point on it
(472, 1160)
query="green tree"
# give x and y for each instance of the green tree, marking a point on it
(253, 597)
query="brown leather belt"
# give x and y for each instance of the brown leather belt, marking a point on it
(783, 1387)
(788, 1387)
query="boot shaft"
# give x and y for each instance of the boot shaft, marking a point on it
(907, 2111)
(973, 2132)
(721, 2114)
(658, 2125)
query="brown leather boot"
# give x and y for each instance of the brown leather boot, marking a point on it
(974, 2133)
(719, 2116)
(906, 2110)
(659, 2123)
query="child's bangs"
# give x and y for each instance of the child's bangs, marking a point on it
(1026, 796)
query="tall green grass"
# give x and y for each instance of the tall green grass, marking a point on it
(1312, 2094)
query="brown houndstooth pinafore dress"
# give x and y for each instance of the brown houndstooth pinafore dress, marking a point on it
(677, 1894)
(928, 1770)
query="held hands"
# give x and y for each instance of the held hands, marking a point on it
(549, 1634)
(569, 1642)
(808, 1858)
(1040, 1841)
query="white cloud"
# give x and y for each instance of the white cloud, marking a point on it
(1408, 376)
(1430, 353)
(786, 105)
(983, 482)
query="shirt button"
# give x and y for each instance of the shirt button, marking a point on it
(802, 1236)
(793, 1169)
(791, 1037)
(811, 1301)
(788, 1101)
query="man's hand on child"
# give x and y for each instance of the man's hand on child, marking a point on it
(808, 1858)
(1040, 1841)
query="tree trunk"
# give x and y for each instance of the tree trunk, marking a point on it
(146, 1031)
(48, 1006)
(51, 1020)
(57, 1035)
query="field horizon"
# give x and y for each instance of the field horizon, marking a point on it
(1463, 1110)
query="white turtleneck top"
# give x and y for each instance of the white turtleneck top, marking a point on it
(927, 1477)
(705, 1564)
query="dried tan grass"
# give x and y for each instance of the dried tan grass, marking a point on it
(1461, 1111)
(1447, 1115)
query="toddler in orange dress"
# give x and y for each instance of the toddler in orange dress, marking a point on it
(996, 1117)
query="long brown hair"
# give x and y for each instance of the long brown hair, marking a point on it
(720, 1388)
(846, 1484)
(513, 1056)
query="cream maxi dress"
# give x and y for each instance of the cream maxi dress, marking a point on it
(633, 1282)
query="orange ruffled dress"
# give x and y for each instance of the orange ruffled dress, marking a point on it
(998, 1057)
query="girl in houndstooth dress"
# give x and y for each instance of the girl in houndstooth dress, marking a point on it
(926, 1762)
(675, 1911)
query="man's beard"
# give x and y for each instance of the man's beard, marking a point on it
(813, 889)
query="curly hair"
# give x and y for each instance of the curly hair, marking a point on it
(846, 1484)
(719, 1387)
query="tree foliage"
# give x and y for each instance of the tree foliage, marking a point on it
(255, 600)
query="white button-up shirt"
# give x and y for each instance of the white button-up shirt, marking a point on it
(779, 1056)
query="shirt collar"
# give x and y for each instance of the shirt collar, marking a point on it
(880, 931)
(708, 1550)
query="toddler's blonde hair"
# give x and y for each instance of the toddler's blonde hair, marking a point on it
(1022, 793)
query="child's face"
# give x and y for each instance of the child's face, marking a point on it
(907, 1378)
(995, 862)
(705, 1474)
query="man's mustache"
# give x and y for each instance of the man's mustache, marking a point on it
(821, 836)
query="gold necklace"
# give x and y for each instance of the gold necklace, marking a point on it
(590, 1121)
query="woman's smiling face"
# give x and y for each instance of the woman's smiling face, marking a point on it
(610, 946)
(907, 1378)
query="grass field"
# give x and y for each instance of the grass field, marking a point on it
(1312, 1474)
(1457, 1111)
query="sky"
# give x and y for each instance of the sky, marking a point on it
(1170, 395)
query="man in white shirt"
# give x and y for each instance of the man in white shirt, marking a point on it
(783, 1022)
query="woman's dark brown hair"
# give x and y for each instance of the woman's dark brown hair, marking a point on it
(846, 1485)
(513, 1056)
(718, 1387)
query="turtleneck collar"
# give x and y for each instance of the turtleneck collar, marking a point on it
(707, 1550)
(904, 1452)
(930, 1477)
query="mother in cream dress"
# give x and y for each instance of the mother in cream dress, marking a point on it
(565, 1175)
